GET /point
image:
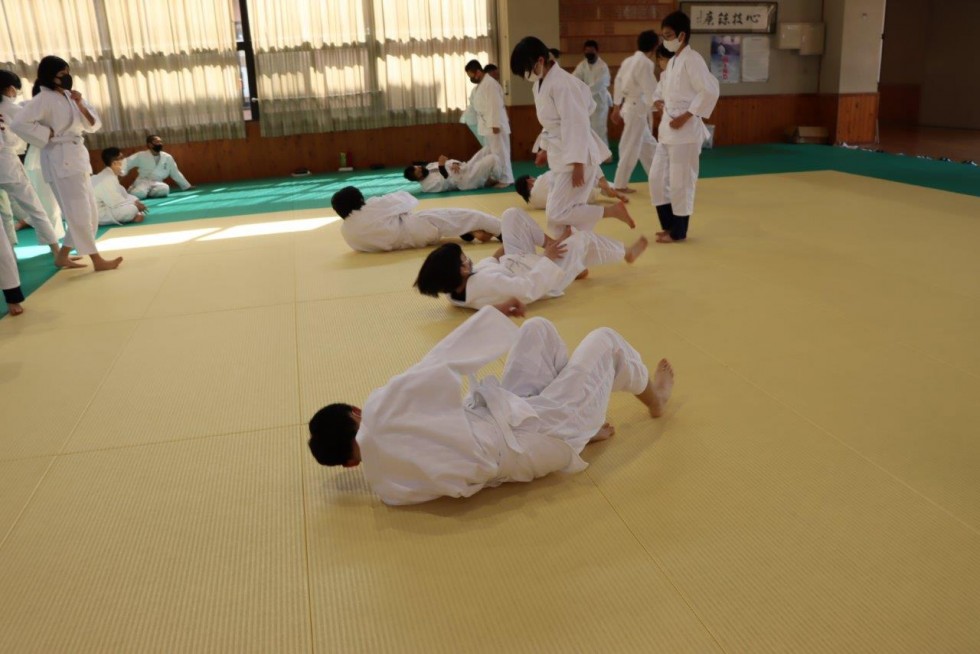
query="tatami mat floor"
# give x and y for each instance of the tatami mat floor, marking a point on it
(813, 487)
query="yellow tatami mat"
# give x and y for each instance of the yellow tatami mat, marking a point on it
(811, 488)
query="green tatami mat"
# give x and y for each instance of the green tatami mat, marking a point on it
(290, 194)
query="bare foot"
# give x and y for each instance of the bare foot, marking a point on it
(139, 218)
(21, 224)
(483, 236)
(619, 212)
(501, 185)
(605, 432)
(63, 259)
(658, 389)
(15, 309)
(626, 190)
(664, 238)
(662, 233)
(582, 275)
(101, 264)
(635, 250)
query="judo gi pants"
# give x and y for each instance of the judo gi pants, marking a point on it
(673, 178)
(453, 223)
(78, 204)
(636, 143)
(9, 276)
(569, 205)
(144, 188)
(48, 202)
(118, 215)
(499, 145)
(571, 395)
(476, 172)
(22, 194)
(583, 249)
(600, 122)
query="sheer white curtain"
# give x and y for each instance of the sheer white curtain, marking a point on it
(163, 66)
(325, 65)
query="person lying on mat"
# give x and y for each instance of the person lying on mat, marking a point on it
(516, 270)
(450, 175)
(417, 439)
(535, 190)
(386, 223)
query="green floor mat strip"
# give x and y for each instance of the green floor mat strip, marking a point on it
(313, 192)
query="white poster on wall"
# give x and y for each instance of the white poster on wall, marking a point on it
(726, 58)
(755, 59)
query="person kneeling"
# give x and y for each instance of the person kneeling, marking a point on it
(417, 438)
(116, 206)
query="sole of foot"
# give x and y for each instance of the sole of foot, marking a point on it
(663, 386)
(635, 250)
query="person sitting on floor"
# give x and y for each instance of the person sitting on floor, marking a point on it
(116, 206)
(154, 167)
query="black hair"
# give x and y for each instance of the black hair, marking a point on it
(526, 53)
(473, 65)
(555, 52)
(440, 270)
(522, 187)
(664, 53)
(8, 79)
(410, 170)
(679, 22)
(489, 68)
(46, 71)
(347, 200)
(647, 41)
(591, 43)
(332, 432)
(110, 154)
(149, 139)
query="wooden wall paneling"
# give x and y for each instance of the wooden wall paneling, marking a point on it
(857, 118)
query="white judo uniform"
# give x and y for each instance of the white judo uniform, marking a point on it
(153, 169)
(563, 104)
(419, 439)
(9, 275)
(472, 174)
(542, 188)
(524, 274)
(64, 160)
(686, 85)
(388, 223)
(596, 76)
(470, 120)
(488, 102)
(116, 206)
(32, 166)
(15, 184)
(636, 85)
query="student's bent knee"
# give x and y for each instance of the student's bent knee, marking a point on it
(538, 326)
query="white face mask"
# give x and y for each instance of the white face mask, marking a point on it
(532, 76)
(673, 45)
